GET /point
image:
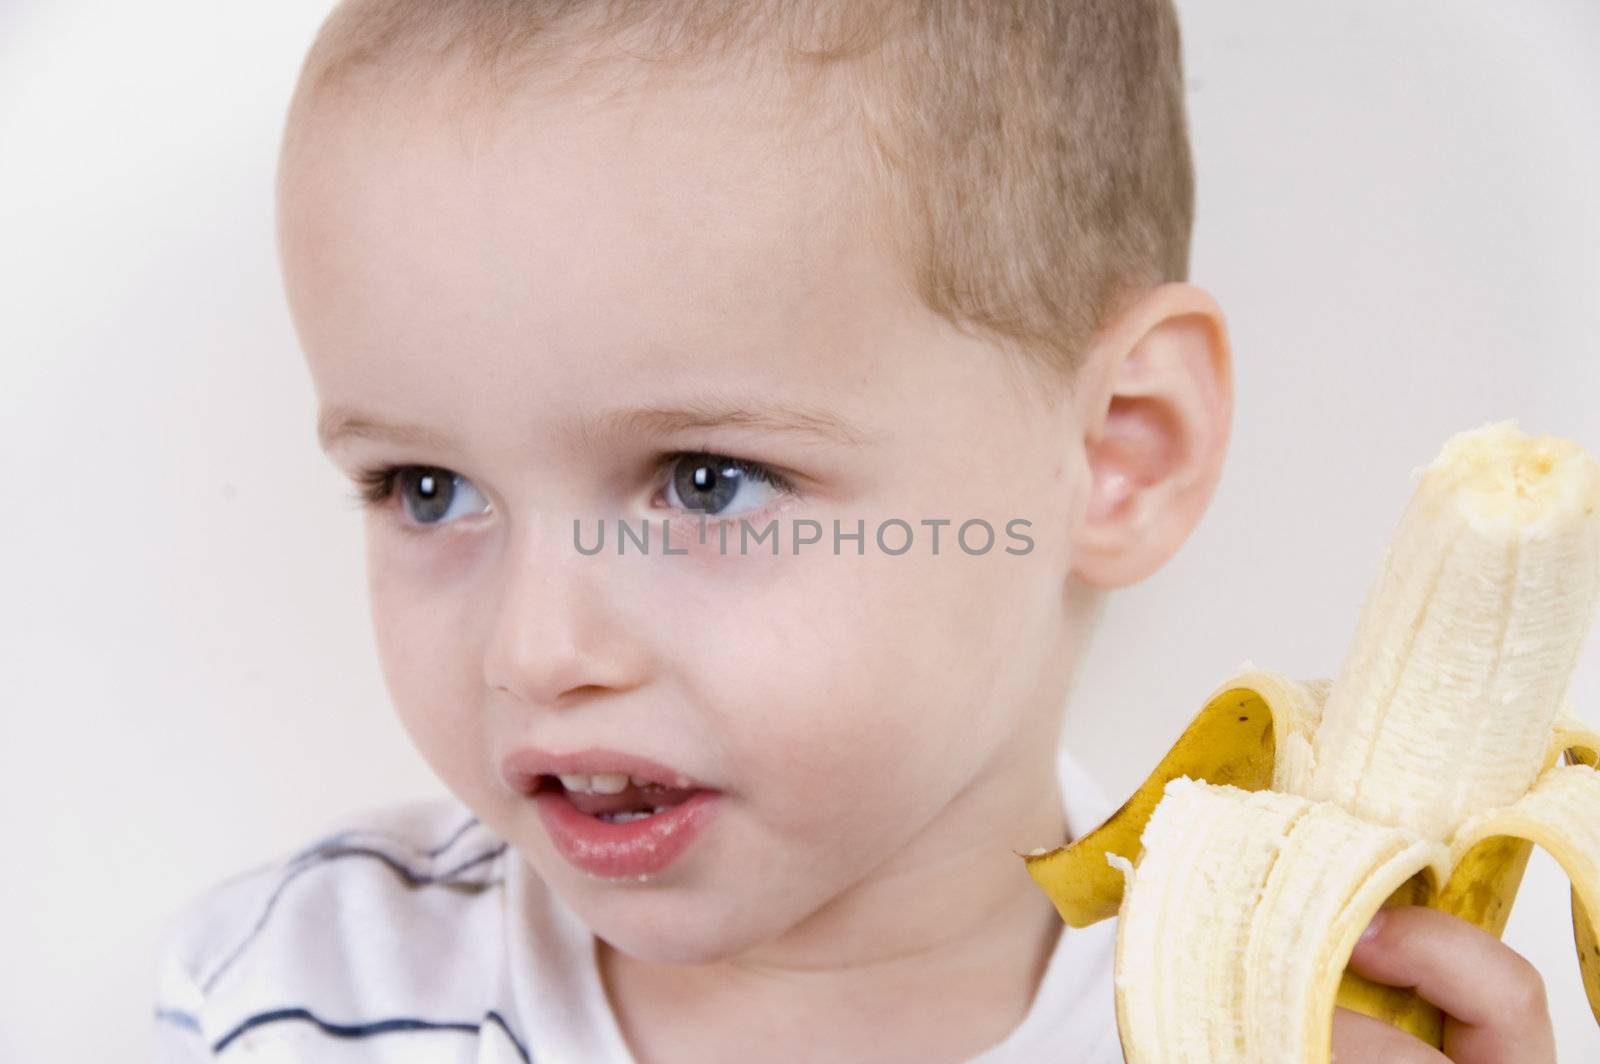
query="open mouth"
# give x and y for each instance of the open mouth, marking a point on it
(613, 797)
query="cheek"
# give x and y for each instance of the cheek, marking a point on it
(850, 687)
(428, 666)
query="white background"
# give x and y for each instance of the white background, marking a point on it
(1397, 210)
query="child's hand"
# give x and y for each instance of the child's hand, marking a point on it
(1492, 998)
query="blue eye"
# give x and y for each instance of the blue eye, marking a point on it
(429, 495)
(706, 483)
(702, 482)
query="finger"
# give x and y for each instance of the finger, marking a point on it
(1492, 997)
(1360, 1039)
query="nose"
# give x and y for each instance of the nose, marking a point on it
(555, 636)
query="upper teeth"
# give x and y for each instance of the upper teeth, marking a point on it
(600, 782)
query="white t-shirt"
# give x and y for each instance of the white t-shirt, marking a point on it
(418, 936)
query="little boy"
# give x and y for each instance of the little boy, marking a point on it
(863, 283)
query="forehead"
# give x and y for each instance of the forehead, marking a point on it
(595, 237)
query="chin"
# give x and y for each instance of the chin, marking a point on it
(665, 934)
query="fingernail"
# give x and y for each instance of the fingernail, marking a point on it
(1372, 928)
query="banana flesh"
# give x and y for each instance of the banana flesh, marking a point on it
(1469, 637)
(1245, 867)
(1245, 907)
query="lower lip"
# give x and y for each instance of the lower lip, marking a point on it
(632, 849)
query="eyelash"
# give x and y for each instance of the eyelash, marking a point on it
(374, 486)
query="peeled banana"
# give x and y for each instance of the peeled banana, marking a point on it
(1245, 867)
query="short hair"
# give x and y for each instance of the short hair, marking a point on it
(1033, 155)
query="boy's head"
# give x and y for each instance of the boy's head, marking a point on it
(800, 262)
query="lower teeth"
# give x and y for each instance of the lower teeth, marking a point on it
(624, 818)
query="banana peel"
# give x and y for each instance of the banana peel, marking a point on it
(1288, 812)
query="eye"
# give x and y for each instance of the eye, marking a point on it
(711, 484)
(429, 495)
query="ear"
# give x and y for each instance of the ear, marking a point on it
(1156, 415)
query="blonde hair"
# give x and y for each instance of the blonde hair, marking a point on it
(1033, 154)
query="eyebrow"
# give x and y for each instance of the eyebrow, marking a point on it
(713, 412)
(339, 422)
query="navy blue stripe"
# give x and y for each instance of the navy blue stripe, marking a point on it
(323, 843)
(178, 1019)
(376, 1027)
(472, 862)
(411, 878)
(320, 845)
(451, 841)
(522, 1050)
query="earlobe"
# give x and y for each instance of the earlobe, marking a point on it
(1155, 434)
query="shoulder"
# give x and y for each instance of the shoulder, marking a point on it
(389, 915)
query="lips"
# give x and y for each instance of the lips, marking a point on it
(631, 833)
(631, 849)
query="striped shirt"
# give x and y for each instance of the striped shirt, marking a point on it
(415, 935)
